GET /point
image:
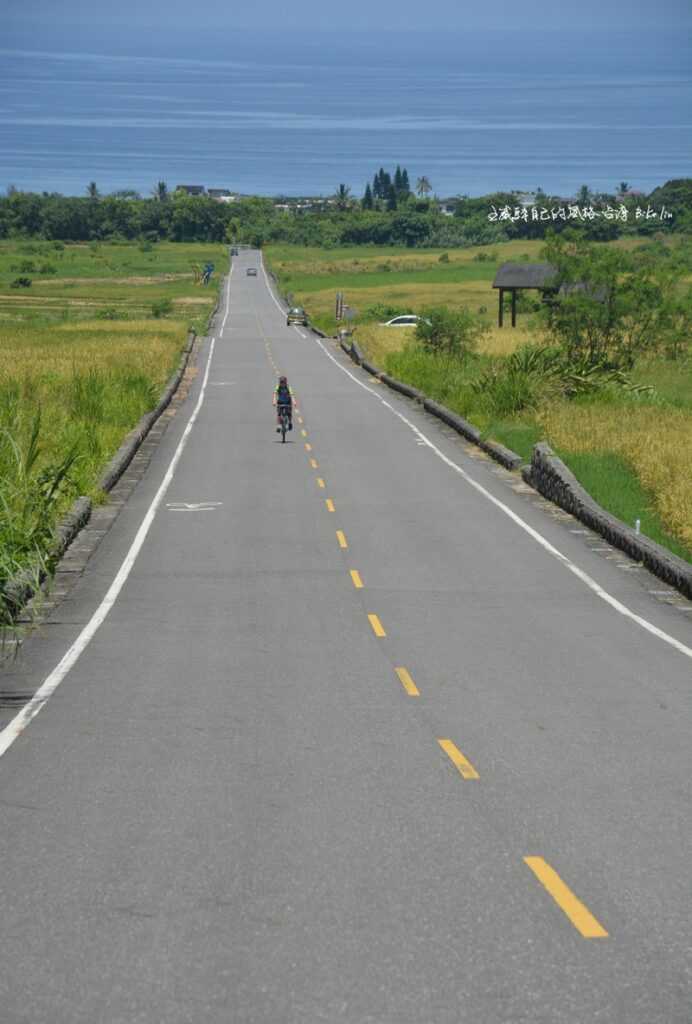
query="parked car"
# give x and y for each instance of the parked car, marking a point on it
(296, 315)
(405, 320)
(234, 251)
(251, 271)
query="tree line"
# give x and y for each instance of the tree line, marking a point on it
(391, 212)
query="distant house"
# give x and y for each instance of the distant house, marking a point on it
(631, 193)
(222, 195)
(447, 207)
(526, 198)
(191, 190)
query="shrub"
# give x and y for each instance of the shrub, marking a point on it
(444, 258)
(110, 313)
(47, 268)
(161, 308)
(381, 311)
(21, 282)
(450, 331)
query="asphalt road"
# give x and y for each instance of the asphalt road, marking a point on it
(351, 743)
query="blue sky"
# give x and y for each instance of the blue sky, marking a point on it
(593, 15)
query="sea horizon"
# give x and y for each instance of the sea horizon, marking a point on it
(281, 114)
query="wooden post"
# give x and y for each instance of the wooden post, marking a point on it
(499, 310)
(514, 307)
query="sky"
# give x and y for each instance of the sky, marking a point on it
(22, 16)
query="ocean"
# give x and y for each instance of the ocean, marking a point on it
(298, 114)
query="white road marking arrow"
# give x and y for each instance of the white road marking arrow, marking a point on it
(193, 506)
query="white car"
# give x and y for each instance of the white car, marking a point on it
(406, 320)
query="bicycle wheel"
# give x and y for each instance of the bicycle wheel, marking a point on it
(283, 430)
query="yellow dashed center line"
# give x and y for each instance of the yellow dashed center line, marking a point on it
(304, 433)
(300, 419)
(458, 760)
(308, 447)
(407, 682)
(320, 481)
(582, 919)
(330, 505)
(376, 625)
(340, 536)
(357, 581)
(313, 463)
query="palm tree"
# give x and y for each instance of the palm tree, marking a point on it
(342, 197)
(161, 191)
(423, 186)
(92, 190)
(583, 195)
(623, 187)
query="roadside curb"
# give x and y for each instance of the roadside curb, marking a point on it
(550, 476)
(505, 456)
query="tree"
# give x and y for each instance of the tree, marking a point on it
(584, 195)
(342, 197)
(423, 187)
(405, 185)
(92, 190)
(367, 202)
(390, 196)
(161, 191)
(616, 305)
(623, 187)
(451, 332)
(397, 179)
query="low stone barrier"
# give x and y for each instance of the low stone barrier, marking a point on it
(551, 477)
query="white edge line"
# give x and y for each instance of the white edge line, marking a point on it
(591, 583)
(18, 724)
(228, 298)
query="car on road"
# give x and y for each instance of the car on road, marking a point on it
(234, 251)
(405, 320)
(296, 315)
(251, 272)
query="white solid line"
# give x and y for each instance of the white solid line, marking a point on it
(228, 298)
(50, 684)
(539, 538)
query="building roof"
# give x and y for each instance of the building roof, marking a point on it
(524, 275)
(193, 190)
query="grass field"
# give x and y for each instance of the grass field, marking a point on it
(84, 352)
(633, 454)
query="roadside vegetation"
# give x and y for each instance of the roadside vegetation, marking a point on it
(604, 374)
(84, 352)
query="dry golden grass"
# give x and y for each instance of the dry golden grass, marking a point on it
(657, 443)
(147, 346)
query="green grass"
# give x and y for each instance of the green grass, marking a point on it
(612, 482)
(436, 274)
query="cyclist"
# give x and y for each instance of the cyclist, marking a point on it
(283, 398)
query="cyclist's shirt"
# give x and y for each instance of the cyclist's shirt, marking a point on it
(283, 395)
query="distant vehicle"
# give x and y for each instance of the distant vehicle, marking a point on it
(251, 272)
(406, 320)
(296, 315)
(234, 251)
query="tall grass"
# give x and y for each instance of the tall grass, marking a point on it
(69, 393)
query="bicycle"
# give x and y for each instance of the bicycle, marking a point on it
(284, 414)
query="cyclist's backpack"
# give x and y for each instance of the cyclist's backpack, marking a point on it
(283, 395)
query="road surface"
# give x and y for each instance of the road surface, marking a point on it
(348, 741)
